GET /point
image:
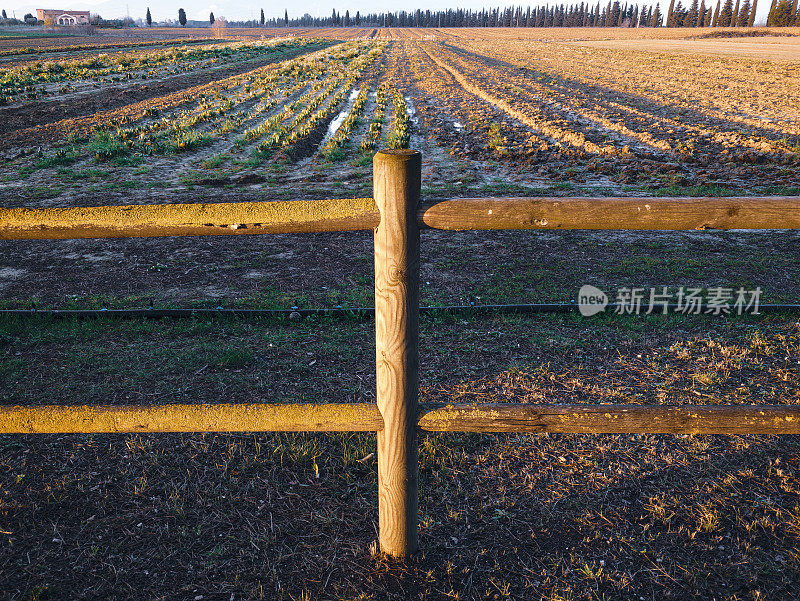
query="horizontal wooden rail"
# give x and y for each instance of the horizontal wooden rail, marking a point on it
(351, 214)
(364, 417)
(207, 219)
(91, 419)
(763, 212)
(615, 419)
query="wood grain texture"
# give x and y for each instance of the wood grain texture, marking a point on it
(397, 182)
(612, 213)
(301, 216)
(211, 219)
(614, 419)
(89, 419)
(365, 417)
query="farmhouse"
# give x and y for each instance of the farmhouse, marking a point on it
(63, 17)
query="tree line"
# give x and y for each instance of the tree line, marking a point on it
(782, 13)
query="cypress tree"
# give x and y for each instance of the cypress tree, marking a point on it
(735, 15)
(262, 17)
(285, 18)
(182, 17)
(678, 15)
(783, 15)
(211, 19)
(715, 20)
(655, 20)
(692, 15)
(744, 14)
(726, 14)
(619, 15)
(148, 19)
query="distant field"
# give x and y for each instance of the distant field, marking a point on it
(148, 117)
(761, 48)
(136, 116)
(145, 116)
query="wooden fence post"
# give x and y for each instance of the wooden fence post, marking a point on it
(396, 185)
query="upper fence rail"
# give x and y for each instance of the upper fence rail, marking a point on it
(352, 214)
(365, 417)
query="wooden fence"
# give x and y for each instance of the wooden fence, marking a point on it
(396, 216)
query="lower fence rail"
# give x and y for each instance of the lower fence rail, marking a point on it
(365, 417)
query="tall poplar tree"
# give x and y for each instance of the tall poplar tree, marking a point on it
(670, 20)
(771, 12)
(752, 14)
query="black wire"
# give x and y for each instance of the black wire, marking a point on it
(359, 312)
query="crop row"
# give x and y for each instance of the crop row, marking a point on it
(285, 127)
(95, 47)
(331, 74)
(321, 108)
(400, 135)
(33, 79)
(342, 134)
(373, 133)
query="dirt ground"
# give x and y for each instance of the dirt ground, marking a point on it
(294, 516)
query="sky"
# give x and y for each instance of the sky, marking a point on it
(241, 11)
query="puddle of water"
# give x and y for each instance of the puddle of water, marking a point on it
(11, 273)
(334, 125)
(411, 110)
